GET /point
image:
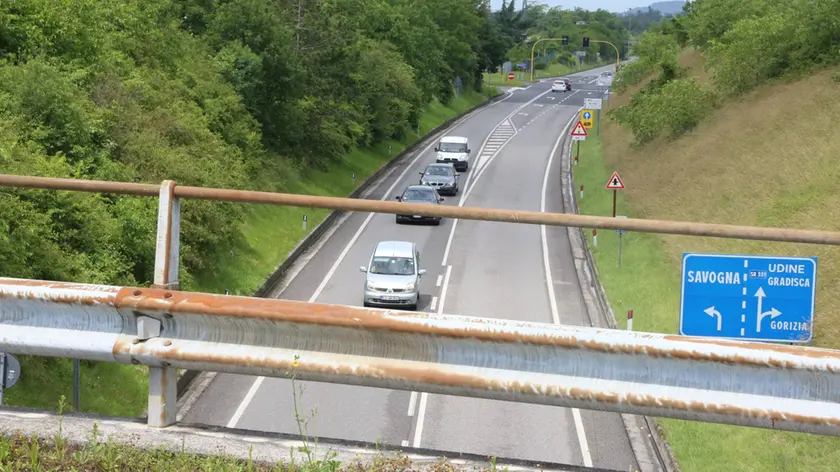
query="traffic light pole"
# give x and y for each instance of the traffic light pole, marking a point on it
(617, 55)
(565, 40)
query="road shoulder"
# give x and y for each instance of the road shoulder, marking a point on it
(650, 449)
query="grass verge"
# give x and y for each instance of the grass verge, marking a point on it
(271, 232)
(769, 176)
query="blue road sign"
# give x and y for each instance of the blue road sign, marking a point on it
(521, 65)
(587, 115)
(751, 298)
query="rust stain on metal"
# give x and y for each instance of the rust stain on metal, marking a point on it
(813, 353)
(79, 185)
(60, 292)
(285, 311)
(186, 303)
(440, 376)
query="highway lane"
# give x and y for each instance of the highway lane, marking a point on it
(331, 275)
(497, 271)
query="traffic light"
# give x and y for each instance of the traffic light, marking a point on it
(586, 41)
(565, 39)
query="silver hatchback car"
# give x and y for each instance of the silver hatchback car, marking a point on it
(393, 275)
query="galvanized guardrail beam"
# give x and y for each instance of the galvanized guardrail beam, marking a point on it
(740, 383)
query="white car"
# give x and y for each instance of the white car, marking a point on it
(558, 86)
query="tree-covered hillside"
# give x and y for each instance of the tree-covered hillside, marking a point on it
(537, 21)
(205, 92)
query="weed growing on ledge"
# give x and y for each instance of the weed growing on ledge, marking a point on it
(32, 454)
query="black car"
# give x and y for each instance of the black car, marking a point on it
(419, 194)
(442, 177)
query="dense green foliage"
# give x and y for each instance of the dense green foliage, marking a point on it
(534, 21)
(224, 93)
(745, 42)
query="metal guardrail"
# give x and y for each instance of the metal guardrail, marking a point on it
(467, 213)
(640, 373)
(739, 383)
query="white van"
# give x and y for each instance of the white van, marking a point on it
(454, 149)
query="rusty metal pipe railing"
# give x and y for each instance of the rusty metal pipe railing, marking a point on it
(468, 213)
(789, 388)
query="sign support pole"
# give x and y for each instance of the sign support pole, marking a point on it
(598, 122)
(619, 249)
(2, 374)
(76, 384)
(615, 199)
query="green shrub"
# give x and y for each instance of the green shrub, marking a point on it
(672, 108)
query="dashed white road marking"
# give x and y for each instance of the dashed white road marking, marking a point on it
(433, 305)
(439, 280)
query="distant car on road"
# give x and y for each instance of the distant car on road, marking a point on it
(561, 85)
(454, 149)
(419, 194)
(393, 275)
(442, 177)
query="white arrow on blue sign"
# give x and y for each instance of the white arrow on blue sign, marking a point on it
(751, 298)
(587, 115)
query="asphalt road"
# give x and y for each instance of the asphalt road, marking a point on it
(473, 268)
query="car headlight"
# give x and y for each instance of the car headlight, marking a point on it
(369, 285)
(424, 182)
(410, 287)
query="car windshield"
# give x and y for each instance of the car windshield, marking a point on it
(453, 147)
(438, 170)
(392, 266)
(417, 195)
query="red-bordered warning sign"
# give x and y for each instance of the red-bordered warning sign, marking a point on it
(579, 130)
(615, 182)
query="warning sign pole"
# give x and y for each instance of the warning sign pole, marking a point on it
(578, 134)
(615, 200)
(615, 184)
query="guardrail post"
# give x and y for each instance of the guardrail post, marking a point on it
(163, 381)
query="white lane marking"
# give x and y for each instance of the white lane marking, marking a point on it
(245, 402)
(421, 416)
(555, 314)
(439, 280)
(421, 411)
(404, 443)
(433, 305)
(443, 290)
(412, 402)
(259, 380)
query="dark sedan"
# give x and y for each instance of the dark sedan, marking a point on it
(442, 177)
(419, 194)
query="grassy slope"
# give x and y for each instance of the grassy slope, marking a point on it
(271, 232)
(769, 159)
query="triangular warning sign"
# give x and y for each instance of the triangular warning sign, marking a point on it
(615, 182)
(579, 130)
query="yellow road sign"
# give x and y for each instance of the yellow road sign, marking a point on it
(587, 117)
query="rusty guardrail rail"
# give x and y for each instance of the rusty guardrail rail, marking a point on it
(467, 213)
(739, 383)
(196, 354)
